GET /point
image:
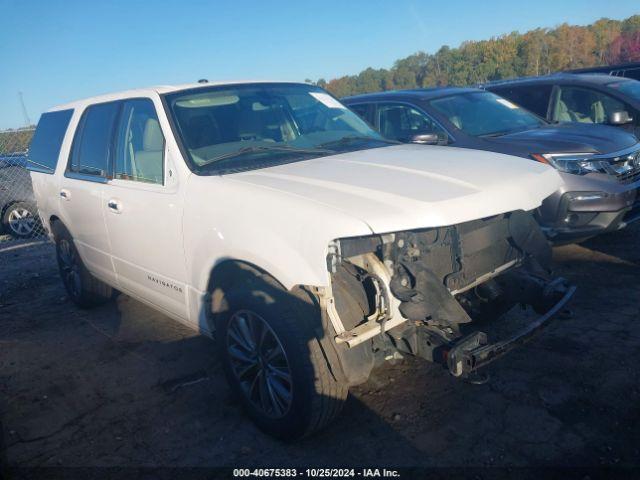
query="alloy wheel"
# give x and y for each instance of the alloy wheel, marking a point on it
(259, 363)
(21, 222)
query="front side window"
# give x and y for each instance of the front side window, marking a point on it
(485, 114)
(90, 152)
(47, 140)
(225, 129)
(583, 105)
(139, 154)
(403, 122)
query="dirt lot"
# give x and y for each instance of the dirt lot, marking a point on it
(123, 385)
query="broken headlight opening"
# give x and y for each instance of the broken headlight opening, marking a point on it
(423, 292)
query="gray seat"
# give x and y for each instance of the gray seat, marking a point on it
(598, 114)
(562, 113)
(148, 162)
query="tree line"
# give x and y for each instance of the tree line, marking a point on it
(536, 52)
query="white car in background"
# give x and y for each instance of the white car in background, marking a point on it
(270, 214)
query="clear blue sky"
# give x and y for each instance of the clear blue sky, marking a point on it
(57, 51)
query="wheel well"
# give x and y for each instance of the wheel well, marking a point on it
(350, 365)
(54, 221)
(228, 274)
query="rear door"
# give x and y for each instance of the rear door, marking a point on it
(142, 206)
(81, 188)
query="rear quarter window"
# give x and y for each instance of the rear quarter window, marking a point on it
(47, 140)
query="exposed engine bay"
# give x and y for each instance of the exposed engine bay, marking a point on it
(421, 291)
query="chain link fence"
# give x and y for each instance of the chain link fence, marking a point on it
(19, 218)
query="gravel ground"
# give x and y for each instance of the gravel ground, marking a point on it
(122, 385)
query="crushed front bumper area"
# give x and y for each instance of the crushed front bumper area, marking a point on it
(466, 355)
(434, 292)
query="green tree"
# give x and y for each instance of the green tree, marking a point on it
(605, 31)
(631, 24)
(536, 52)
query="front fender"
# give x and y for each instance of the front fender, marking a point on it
(281, 233)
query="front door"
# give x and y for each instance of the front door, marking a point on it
(143, 211)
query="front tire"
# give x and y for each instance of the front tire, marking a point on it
(84, 289)
(274, 362)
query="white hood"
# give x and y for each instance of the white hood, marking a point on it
(412, 186)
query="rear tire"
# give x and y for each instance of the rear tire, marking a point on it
(302, 395)
(20, 220)
(84, 289)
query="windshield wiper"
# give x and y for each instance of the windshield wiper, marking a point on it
(269, 148)
(502, 133)
(356, 138)
(495, 134)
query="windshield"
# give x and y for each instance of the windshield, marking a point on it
(240, 127)
(485, 114)
(630, 88)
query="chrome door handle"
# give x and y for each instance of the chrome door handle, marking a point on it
(115, 206)
(66, 194)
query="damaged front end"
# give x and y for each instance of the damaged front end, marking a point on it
(424, 291)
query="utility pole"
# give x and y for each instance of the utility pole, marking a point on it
(27, 120)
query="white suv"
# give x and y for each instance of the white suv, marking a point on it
(272, 215)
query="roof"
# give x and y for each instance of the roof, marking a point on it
(417, 93)
(606, 68)
(592, 78)
(159, 89)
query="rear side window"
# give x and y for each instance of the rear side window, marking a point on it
(47, 140)
(534, 98)
(90, 152)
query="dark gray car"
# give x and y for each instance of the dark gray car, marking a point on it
(600, 165)
(580, 98)
(626, 70)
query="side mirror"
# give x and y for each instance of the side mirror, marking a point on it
(430, 139)
(619, 118)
